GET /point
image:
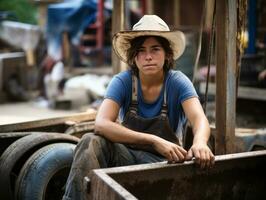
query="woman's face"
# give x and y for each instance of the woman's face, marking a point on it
(150, 57)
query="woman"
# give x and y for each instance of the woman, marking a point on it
(152, 102)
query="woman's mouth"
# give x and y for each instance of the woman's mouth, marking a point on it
(149, 65)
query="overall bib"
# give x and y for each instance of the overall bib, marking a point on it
(158, 125)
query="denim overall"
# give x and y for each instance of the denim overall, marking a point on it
(158, 125)
(94, 151)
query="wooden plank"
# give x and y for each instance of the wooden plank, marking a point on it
(225, 76)
(74, 118)
(244, 92)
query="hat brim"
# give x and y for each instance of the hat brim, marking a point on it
(121, 41)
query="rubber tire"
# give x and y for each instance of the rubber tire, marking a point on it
(8, 138)
(14, 157)
(49, 165)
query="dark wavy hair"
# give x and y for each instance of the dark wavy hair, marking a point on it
(137, 42)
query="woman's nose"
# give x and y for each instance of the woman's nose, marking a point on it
(148, 56)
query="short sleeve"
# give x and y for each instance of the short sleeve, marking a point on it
(118, 88)
(183, 86)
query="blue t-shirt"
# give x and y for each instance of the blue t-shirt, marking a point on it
(178, 89)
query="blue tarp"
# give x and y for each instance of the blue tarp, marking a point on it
(71, 16)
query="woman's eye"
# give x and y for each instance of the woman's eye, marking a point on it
(157, 49)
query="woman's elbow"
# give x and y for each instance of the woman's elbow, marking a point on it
(99, 126)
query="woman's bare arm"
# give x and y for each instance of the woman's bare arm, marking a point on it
(201, 130)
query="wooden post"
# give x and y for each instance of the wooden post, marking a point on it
(149, 7)
(118, 24)
(209, 12)
(176, 11)
(30, 56)
(226, 26)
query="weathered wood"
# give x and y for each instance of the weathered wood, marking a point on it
(225, 76)
(244, 92)
(50, 122)
(118, 24)
(176, 12)
(209, 14)
(149, 7)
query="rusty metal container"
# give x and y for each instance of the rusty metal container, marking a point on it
(234, 176)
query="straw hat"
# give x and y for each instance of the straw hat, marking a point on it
(148, 25)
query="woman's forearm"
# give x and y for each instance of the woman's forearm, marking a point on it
(201, 130)
(118, 133)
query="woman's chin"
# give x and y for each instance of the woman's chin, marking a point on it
(150, 70)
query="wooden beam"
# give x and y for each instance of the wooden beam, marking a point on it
(149, 7)
(176, 11)
(226, 26)
(209, 12)
(118, 24)
(48, 122)
(244, 92)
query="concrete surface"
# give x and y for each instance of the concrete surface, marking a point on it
(28, 111)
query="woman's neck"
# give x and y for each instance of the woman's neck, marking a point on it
(151, 86)
(152, 80)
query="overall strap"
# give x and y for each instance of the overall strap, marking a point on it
(164, 109)
(134, 98)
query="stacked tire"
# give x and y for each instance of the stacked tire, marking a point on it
(36, 166)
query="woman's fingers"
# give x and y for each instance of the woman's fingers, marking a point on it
(174, 157)
(203, 155)
(177, 154)
(189, 155)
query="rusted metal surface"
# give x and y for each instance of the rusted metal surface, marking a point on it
(59, 124)
(234, 176)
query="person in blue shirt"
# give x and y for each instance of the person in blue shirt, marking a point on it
(145, 107)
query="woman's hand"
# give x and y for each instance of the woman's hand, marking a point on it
(172, 152)
(202, 153)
